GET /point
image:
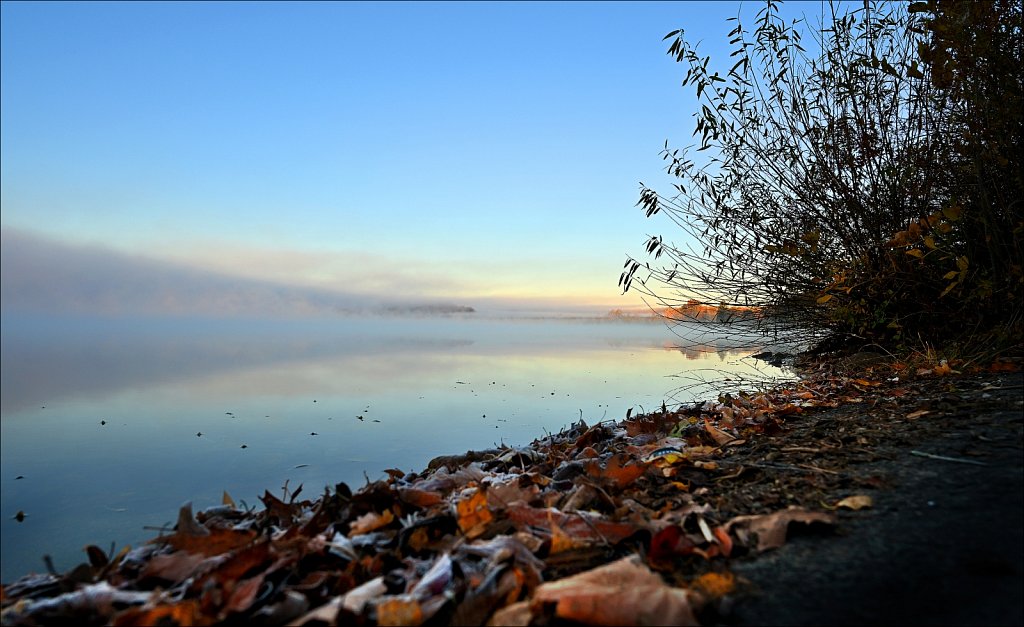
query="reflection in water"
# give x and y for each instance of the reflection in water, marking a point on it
(101, 418)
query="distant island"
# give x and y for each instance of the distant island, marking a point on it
(426, 310)
(692, 311)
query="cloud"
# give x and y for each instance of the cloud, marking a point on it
(352, 271)
(43, 275)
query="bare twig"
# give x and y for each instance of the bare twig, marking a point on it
(948, 459)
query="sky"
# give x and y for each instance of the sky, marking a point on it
(204, 157)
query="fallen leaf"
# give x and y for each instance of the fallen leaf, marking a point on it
(183, 613)
(768, 531)
(714, 585)
(515, 615)
(369, 522)
(419, 498)
(192, 537)
(667, 544)
(859, 501)
(917, 414)
(473, 514)
(582, 527)
(355, 599)
(624, 592)
(401, 610)
(720, 437)
(617, 470)
(173, 567)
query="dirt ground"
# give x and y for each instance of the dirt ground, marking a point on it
(943, 543)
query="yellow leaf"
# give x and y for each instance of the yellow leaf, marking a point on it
(824, 299)
(962, 263)
(859, 501)
(950, 275)
(914, 252)
(929, 241)
(227, 500)
(948, 288)
(952, 213)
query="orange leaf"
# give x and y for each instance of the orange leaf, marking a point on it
(419, 498)
(399, 610)
(722, 536)
(369, 522)
(472, 512)
(183, 613)
(615, 471)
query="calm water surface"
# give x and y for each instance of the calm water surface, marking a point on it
(436, 386)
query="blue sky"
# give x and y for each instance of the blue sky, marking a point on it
(420, 151)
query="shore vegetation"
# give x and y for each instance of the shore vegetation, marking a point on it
(858, 179)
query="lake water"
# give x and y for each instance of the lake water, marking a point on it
(100, 419)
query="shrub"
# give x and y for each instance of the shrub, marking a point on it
(869, 188)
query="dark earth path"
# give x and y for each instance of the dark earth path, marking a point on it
(943, 543)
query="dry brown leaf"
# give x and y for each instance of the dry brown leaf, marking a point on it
(219, 541)
(244, 594)
(917, 414)
(856, 502)
(720, 437)
(172, 567)
(515, 615)
(768, 531)
(624, 592)
(499, 495)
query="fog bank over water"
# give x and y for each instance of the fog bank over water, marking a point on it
(41, 275)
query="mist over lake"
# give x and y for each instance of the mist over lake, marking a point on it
(101, 417)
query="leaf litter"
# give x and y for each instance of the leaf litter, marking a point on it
(631, 522)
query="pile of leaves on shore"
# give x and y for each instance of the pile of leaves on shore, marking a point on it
(615, 523)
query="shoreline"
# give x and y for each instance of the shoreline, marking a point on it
(675, 494)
